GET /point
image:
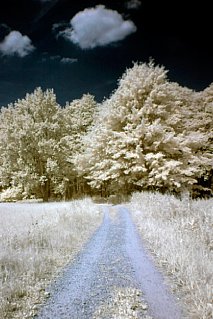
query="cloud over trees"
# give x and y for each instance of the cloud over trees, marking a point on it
(16, 44)
(97, 26)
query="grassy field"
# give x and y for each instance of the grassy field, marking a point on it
(179, 233)
(36, 241)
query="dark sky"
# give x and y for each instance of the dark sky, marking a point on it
(40, 46)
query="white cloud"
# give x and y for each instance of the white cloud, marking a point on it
(16, 44)
(58, 58)
(97, 27)
(69, 60)
(133, 4)
(55, 57)
(56, 26)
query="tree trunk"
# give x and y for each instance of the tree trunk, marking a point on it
(45, 191)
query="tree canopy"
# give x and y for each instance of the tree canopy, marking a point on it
(38, 141)
(149, 134)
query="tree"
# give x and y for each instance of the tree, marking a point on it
(201, 124)
(138, 139)
(39, 141)
(30, 133)
(76, 118)
(149, 134)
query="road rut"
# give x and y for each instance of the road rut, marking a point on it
(113, 277)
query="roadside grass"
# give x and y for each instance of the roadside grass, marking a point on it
(36, 241)
(179, 233)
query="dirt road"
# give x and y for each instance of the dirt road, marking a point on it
(113, 277)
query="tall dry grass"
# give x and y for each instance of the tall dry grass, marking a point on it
(179, 232)
(36, 242)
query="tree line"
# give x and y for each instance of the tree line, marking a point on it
(150, 134)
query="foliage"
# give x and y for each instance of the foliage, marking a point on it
(34, 149)
(149, 134)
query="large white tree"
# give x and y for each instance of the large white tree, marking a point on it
(143, 136)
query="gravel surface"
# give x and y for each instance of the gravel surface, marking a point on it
(111, 278)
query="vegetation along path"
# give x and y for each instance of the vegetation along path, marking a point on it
(113, 277)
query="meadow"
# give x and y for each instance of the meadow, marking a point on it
(36, 241)
(179, 235)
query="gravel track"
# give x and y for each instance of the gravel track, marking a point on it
(111, 278)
